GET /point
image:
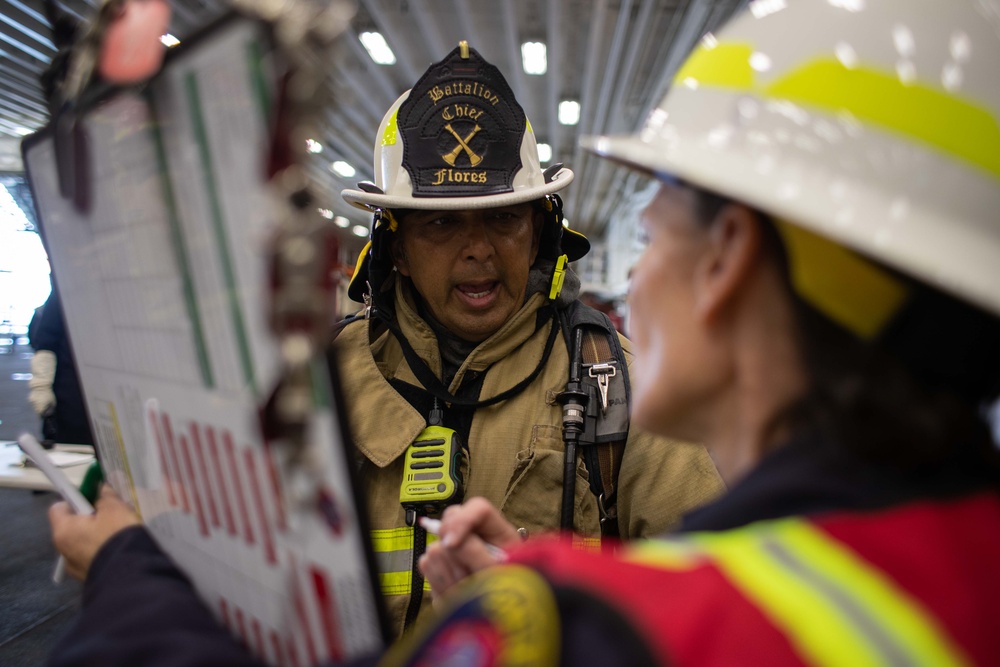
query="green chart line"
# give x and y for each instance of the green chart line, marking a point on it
(255, 66)
(215, 205)
(180, 253)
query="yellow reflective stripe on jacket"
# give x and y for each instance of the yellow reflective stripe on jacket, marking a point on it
(393, 549)
(676, 554)
(588, 544)
(831, 605)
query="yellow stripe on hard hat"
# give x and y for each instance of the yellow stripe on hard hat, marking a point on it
(852, 291)
(958, 127)
(389, 136)
(720, 65)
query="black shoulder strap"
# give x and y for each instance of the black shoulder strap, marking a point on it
(605, 372)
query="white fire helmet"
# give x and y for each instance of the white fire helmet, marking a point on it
(874, 124)
(458, 140)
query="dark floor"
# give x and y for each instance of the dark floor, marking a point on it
(33, 610)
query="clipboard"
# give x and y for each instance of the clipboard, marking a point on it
(163, 277)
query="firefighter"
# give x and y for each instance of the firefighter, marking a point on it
(470, 313)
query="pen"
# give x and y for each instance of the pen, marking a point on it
(433, 526)
(70, 494)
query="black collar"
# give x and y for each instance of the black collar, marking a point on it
(811, 476)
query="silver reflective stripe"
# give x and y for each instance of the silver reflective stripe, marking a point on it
(865, 624)
(394, 561)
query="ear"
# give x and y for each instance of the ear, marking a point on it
(398, 254)
(734, 244)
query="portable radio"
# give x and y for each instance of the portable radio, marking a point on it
(432, 476)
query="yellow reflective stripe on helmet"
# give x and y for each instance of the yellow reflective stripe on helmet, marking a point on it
(726, 65)
(389, 136)
(844, 286)
(393, 549)
(958, 127)
(833, 607)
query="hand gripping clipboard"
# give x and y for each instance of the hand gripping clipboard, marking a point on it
(163, 280)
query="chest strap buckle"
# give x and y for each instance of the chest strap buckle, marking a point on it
(603, 372)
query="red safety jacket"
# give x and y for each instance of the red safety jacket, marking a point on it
(916, 584)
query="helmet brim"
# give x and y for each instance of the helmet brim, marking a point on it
(370, 201)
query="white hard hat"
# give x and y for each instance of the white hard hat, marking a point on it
(457, 140)
(871, 123)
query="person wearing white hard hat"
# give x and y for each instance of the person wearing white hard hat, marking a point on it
(817, 303)
(471, 312)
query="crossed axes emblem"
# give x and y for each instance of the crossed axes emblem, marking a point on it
(463, 144)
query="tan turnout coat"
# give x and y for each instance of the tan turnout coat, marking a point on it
(515, 447)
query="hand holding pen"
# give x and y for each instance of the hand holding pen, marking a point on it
(474, 536)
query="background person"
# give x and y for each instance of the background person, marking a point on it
(54, 388)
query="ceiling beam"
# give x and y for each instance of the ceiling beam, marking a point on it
(588, 103)
(554, 76)
(512, 41)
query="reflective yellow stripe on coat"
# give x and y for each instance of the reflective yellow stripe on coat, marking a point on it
(834, 607)
(394, 559)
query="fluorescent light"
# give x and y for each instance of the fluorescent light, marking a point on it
(544, 152)
(569, 112)
(169, 40)
(533, 57)
(341, 168)
(360, 230)
(22, 131)
(326, 213)
(314, 146)
(377, 48)
(762, 8)
(341, 222)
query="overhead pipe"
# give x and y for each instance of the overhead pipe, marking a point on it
(587, 106)
(603, 101)
(554, 77)
(512, 39)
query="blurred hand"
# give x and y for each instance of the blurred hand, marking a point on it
(43, 374)
(78, 538)
(42, 400)
(466, 532)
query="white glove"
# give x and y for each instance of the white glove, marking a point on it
(43, 372)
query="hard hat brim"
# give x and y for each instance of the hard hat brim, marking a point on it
(370, 201)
